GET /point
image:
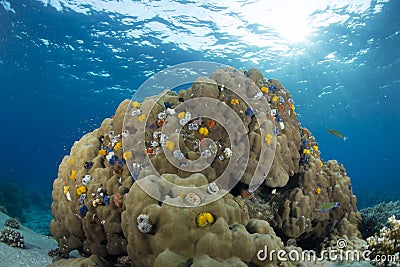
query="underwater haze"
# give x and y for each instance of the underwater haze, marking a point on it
(66, 65)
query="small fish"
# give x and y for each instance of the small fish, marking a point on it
(337, 133)
(327, 206)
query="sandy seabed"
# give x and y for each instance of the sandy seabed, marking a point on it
(35, 252)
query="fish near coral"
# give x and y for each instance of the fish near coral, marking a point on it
(337, 133)
(204, 218)
(327, 206)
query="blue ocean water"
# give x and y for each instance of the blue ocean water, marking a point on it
(66, 65)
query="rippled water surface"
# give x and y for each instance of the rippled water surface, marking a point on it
(65, 65)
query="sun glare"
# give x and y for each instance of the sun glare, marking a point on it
(292, 21)
(293, 30)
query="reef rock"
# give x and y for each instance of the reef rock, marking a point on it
(100, 208)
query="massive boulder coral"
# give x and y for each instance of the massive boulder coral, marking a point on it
(108, 202)
(232, 235)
